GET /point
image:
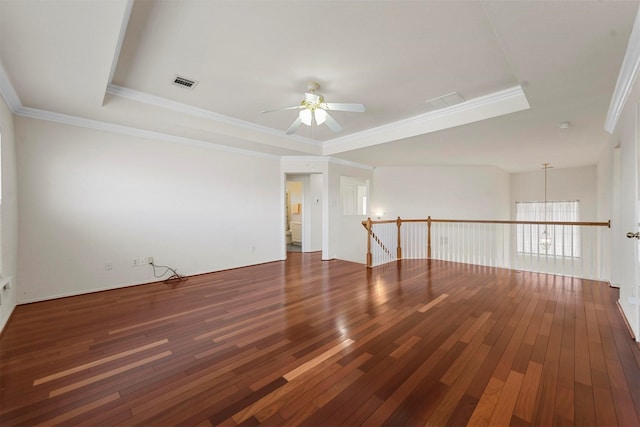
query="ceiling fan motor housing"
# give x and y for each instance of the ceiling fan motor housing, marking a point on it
(313, 86)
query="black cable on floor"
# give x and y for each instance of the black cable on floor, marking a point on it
(174, 278)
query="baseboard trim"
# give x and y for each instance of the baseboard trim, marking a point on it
(129, 285)
(626, 322)
(6, 324)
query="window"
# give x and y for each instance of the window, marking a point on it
(354, 195)
(564, 239)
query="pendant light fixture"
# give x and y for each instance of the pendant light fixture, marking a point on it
(545, 238)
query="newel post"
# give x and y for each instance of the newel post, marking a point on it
(399, 250)
(369, 256)
(429, 237)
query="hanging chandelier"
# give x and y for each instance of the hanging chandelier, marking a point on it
(545, 238)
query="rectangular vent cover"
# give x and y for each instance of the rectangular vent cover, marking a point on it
(445, 101)
(184, 82)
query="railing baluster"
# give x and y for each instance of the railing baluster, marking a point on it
(429, 237)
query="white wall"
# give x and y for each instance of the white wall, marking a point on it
(89, 197)
(9, 214)
(608, 196)
(444, 192)
(346, 230)
(314, 204)
(562, 185)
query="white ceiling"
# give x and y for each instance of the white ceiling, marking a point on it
(522, 67)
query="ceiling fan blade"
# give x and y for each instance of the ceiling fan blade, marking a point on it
(332, 124)
(339, 106)
(294, 126)
(297, 107)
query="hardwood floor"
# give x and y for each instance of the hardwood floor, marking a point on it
(307, 342)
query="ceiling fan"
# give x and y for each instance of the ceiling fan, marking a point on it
(313, 106)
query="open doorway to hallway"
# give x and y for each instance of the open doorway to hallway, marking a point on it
(303, 212)
(293, 209)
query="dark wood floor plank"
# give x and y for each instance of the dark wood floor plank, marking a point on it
(293, 407)
(390, 404)
(507, 401)
(604, 407)
(483, 411)
(529, 392)
(545, 406)
(311, 342)
(459, 388)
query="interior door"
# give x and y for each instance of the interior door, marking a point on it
(636, 233)
(631, 221)
(626, 269)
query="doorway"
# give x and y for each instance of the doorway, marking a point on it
(293, 212)
(303, 212)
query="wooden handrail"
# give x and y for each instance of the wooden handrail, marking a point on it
(482, 221)
(368, 224)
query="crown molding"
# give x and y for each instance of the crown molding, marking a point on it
(8, 92)
(66, 119)
(342, 162)
(158, 101)
(495, 104)
(116, 54)
(327, 160)
(626, 78)
(10, 96)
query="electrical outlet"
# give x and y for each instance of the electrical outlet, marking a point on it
(143, 260)
(108, 265)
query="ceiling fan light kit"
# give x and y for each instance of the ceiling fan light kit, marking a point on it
(313, 106)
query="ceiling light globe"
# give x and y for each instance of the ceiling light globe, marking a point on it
(305, 116)
(321, 116)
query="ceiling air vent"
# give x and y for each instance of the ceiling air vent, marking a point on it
(445, 101)
(184, 82)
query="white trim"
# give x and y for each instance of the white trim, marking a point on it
(10, 96)
(327, 159)
(626, 78)
(141, 133)
(158, 101)
(8, 92)
(5, 283)
(82, 292)
(495, 104)
(338, 161)
(324, 159)
(116, 54)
